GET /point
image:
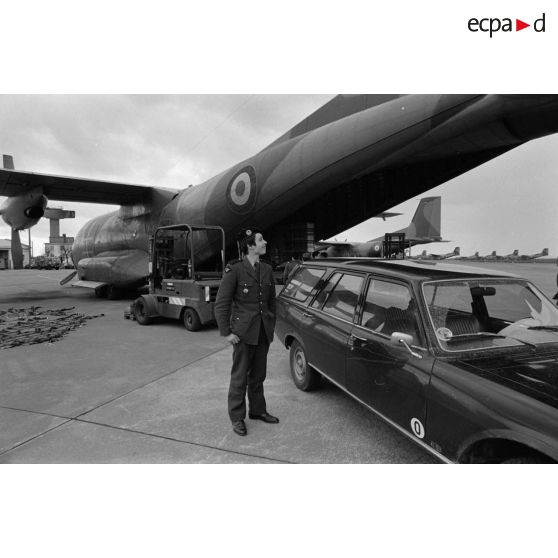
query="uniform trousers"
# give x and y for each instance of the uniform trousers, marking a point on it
(248, 371)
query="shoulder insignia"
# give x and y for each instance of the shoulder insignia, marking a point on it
(230, 265)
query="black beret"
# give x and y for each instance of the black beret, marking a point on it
(246, 234)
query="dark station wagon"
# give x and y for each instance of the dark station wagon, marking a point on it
(464, 361)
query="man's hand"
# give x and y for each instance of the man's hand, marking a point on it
(232, 338)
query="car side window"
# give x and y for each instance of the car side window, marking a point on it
(390, 307)
(303, 282)
(343, 298)
(323, 295)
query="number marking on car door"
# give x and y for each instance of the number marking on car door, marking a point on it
(417, 428)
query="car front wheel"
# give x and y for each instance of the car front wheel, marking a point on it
(304, 376)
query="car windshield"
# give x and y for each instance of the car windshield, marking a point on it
(480, 314)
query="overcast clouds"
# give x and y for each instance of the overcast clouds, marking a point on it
(177, 140)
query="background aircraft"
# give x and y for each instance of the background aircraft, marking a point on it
(475, 257)
(424, 228)
(355, 157)
(529, 257)
(492, 257)
(425, 256)
(513, 257)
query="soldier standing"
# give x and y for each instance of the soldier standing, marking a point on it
(245, 313)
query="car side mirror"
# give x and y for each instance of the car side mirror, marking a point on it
(398, 338)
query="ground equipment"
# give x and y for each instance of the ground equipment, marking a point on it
(186, 266)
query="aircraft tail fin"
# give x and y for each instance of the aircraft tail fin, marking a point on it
(426, 222)
(545, 252)
(457, 251)
(8, 162)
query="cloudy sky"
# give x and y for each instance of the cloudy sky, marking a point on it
(176, 140)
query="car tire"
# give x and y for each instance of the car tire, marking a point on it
(304, 376)
(191, 319)
(140, 311)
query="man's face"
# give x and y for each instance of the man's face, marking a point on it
(259, 247)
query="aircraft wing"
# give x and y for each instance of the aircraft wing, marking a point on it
(386, 214)
(324, 244)
(64, 188)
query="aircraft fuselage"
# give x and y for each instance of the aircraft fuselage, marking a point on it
(334, 170)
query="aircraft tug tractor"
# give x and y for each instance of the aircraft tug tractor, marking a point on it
(186, 266)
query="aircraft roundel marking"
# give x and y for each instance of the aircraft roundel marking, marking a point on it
(376, 247)
(241, 191)
(417, 428)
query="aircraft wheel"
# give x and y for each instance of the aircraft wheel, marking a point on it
(304, 376)
(140, 311)
(191, 319)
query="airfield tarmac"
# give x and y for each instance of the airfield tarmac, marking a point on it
(113, 391)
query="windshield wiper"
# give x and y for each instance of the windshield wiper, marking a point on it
(545, 327)
(474, 336)
(491, 335)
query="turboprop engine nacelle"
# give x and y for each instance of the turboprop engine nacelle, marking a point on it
(22, 212)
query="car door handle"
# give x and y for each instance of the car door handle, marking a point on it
(306, 315)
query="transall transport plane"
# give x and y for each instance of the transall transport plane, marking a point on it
(355, 157)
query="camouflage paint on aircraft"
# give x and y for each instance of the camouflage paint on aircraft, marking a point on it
(354, 158)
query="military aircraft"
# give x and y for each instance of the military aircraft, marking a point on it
(424, 228)
(425, 256)
(474, 258)
(353, 158)
(530, 257)
(513, 257)
(492, 257)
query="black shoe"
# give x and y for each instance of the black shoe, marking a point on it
(266, 417)
(239, 427)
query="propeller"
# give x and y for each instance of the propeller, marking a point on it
(17, 250)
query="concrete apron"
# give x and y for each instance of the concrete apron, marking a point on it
(113, 391)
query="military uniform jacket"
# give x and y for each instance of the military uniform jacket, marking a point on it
(245, 301)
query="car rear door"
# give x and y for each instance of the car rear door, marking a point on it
(329, 323)
(385, 376)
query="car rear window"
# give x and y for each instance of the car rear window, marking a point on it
(343, 298)
(302, 283)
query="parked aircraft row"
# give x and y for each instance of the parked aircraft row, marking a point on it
(355, 157)
(514, 257)
(426, 256)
